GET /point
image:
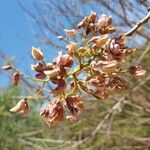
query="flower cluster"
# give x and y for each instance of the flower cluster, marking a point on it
(93, 65)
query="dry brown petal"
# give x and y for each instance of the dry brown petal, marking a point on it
(21, 107)
(37, 67)
(72, 48)
(37, 53)
(110, 64)
(52, 73)
(60, 87)
(104, 21)
(54, 112)
(87, 21)
(15, 78)
(7, 67)
(100, 40)
(75, 106)
(71, 33)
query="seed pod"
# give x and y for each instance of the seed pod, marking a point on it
(7, 67)
(37, 53)
(71, 33)
(15, 78)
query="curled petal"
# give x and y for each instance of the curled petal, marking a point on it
(60, 87)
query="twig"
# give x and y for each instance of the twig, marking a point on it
(139, 23)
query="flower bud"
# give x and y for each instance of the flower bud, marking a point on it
(37, 53)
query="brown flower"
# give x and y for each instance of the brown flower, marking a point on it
(38, 67)
(37, 53)
(71, 48)
(21, 107)
(99, 40)
(15, 78)
(85, 23)
(52, 73)
(60, 87)
(75, 106)
(54, 112)
(64, 60)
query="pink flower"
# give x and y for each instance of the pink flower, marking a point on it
(60, 87)
(21, 107)
(75, 106)
(64, 60)
(54, 113)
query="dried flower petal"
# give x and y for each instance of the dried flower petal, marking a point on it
(21, 107)
(54, 112)
(60, 87)
(71, 33)
(75, 105)
(71, 48)
(52, 73)
(15, 78)
(38, 67)
(64, 60)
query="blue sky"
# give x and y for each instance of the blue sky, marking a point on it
(14, 29)
(16, 34)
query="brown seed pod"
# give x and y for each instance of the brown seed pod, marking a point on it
(15, 78)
